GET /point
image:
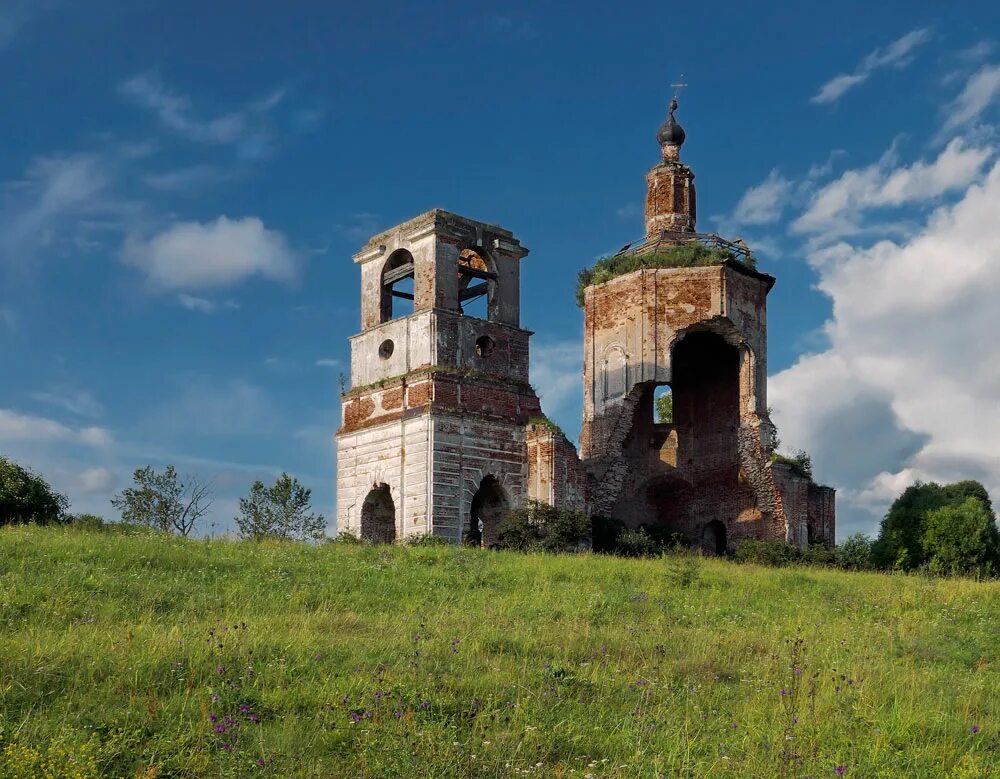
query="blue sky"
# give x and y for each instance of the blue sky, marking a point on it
(182, 187)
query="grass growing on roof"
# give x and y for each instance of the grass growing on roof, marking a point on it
(147, 655)
(683, 255)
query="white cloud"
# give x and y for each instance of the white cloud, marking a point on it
(189, 180)
(838, 207)
(908, 387)
(193, 256)
(981, 90)
(556, 374)
(54, 194)
(204, 305)
(328, 362)
(245, 127)
(18, 427)
(95, 479)
(76, 401)
(764, 202)
(897, 54)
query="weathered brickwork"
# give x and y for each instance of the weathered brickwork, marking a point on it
(443, 434)
(435, 433)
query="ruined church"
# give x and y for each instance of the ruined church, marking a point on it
(443, 434)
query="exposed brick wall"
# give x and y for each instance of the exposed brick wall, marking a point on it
(712, 463)
(555, 474)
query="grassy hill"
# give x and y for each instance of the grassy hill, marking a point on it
(145, 656)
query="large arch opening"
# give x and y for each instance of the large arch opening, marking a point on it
(489, 507)
(397, 292)
(378, 516)
(476, 284)
(713, 538)
(706, 407)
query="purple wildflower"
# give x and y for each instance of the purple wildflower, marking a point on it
(798, 671)
(213, 717)
(215, 697)
(254, 718)
(397, 714)
(378, 695)
(260, 762)
(840, 770)
(244, 709)
(425, 705)
(220, 728)
(355, 717)
(221, 669)
(227, 746)
(974, 729)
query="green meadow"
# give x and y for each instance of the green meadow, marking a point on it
(153, 656)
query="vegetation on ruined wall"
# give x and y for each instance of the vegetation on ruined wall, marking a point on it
(152, 655)
(682, 255)
(800, 463)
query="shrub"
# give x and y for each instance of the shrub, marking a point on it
(90, 523)
(425, 539)
(345, 537)
(683, 567)
(773, 553)
(539, 526)
(800, 463)
(855, 554)
(636, 543)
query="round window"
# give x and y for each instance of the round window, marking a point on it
(484, 345)
(385, 350)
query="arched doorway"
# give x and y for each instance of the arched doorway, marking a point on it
(489, 507)
(378, 516)
(713, 538)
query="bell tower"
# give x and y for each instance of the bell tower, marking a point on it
(433, 433)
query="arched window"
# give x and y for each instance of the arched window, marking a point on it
(476, 284)
(397, 286)
(378, 516)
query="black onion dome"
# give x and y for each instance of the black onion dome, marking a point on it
(670, 132)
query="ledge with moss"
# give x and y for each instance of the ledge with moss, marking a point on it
(544, 421)
(681, 255)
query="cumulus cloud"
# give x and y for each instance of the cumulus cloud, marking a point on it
(764, 203)
(897, 54)
(17, 427)
(95, 480)
(837, 208)
(195, 256)
(908, 387)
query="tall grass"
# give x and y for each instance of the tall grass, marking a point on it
(149, 656)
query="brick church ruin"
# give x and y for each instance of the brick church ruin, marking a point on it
(442, 434)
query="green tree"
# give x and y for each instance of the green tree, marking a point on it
(163, 501)
(664, 408)
(901, 543)
(26, 497)
(279, 511)
(962, 538)
(855, 554)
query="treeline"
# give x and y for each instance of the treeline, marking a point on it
(167, 502)
(945, 530)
